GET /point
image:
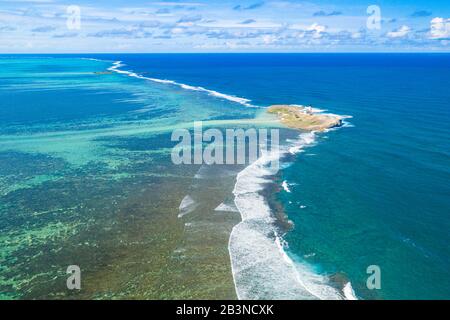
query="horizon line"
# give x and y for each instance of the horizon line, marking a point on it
(243, 52)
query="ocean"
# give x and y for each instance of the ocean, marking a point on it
(86, 177)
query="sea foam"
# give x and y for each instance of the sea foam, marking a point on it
(285, 186)
(348, 292)
(261, 267)
(118, 64)
(187, 205)
(226, 208)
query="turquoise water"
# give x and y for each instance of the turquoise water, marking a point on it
(85, 161)
(373, 193)
(376, 193)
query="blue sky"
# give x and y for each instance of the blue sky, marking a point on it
(52, 26)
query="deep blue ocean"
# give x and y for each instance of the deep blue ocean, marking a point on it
(376, 192)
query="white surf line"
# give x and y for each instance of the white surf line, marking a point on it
(93, 59)
(285, 186)
(243, 101)
(292, 265)
(226, 208)
(187, 205)
(248, 184)
(349, 293)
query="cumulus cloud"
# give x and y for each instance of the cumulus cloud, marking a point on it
(44, 29)
(213, 27)
(66, 35)
(164, 36)
(316, 30)
(162, 11)
(400, 32)
(392, 20)
(149, 24)
(121, 33)
(248, 21)
(250, 7)
(194, 18)
(440, 28)
(31, 12)
(322, 13)
(7, 29)
(236, 34)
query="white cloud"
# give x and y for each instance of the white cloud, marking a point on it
(439, 28)
(399, 33)
(356, 35)
(269, 39)
(317, 30)
(279, 24)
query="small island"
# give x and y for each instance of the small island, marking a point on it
(305, 118)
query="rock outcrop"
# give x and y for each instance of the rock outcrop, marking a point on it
(304, 118)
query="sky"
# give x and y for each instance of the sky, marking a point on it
(133, 26)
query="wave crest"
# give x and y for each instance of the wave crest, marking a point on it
(261, 267)
(243, 101)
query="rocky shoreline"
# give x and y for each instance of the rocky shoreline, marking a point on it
(304, 118)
